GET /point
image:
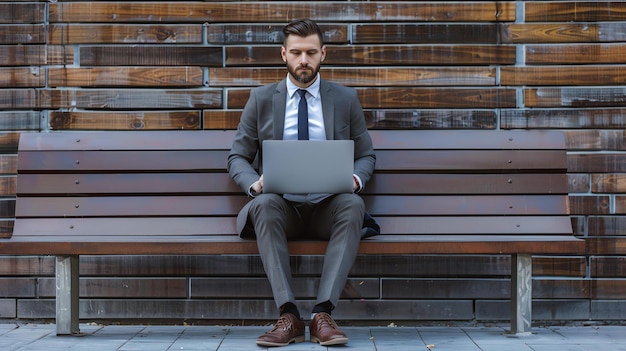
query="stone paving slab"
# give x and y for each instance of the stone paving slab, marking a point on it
(42, 337)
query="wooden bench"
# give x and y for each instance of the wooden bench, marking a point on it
(168, 193)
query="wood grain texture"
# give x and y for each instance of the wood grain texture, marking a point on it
(593, 11)
(70, 33)
(425, 33)
(363, 76)
(586, 32)
(575, 97)
(22, 77)
(150, 56)
(134, 120)
(561, 118)
(183, 77)
(564, 75)
(134, 11)
(383, 55)
(614, 53)
(250, 34)
(23, 34)
(17, 13)
(408, 97)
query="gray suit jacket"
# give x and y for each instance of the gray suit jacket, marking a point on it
(263, 118)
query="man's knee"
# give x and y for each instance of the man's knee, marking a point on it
(265, 202)
(352, 202)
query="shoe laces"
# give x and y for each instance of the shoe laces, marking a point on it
(283, 323)
(324, 320)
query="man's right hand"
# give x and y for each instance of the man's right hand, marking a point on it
(257, 187)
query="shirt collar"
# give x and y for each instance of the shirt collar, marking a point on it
(313, 89)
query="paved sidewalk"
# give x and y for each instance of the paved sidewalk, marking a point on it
(41, 337)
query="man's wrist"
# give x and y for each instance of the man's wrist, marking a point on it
(359, 184)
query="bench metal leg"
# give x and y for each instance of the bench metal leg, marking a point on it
(521, 293)
(67, 295)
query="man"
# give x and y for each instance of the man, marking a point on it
(334, 112)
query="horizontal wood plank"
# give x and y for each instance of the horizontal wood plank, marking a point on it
(606, 246)
(383, 55)
(479, 289)
(35, 55)
(7, 206)
(182, 77)
(586, 32)
(198, 183)
(363, 76)
(8, 188)
(23, 55)
(212, 12)
(590, 204)
(409, 97)
(404, 33)
(563, 75)
(20, 121)
(431, 119)
(222, 140)
(22, 77)
(127, 98)
(613, 53)
(594, 140)
(178, 245)
(8, 164)
(75, 33)
(211, 160)
(578, 97)
(589, 119)
(169, 287)
(610, 162)
(22, 34)
(216, 205)
(250, 34)
(606, 225)
(147, 55)
(220, 119)
(592, 11)
(134, 120)
(608, 267)
(609, 183)
(16, 13)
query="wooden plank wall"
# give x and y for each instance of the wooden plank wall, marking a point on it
(175, 65)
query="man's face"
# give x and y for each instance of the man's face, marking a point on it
(303, 57)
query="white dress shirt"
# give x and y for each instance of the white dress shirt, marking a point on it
(317, 131)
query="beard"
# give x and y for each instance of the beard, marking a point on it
(304, 75)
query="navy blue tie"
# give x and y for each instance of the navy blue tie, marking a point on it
(303, 116)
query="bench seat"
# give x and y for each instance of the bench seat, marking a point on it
(168, 193)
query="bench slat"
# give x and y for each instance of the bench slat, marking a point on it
(111, 161)
(209, 226)
(126, 206)
(211, 160)
(221, 183)
(470, 160)
(220, 244)
(383, 139)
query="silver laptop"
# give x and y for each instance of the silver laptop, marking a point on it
(308, 166)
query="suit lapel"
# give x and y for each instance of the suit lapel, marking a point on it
(328, 108)
(279, 100)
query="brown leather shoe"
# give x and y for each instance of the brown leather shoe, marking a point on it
(287, 329)
(324, 330)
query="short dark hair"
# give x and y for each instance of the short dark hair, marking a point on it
(302, 28)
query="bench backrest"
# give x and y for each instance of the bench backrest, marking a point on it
(426, 182)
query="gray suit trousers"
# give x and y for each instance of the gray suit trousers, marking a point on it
(338, 219)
